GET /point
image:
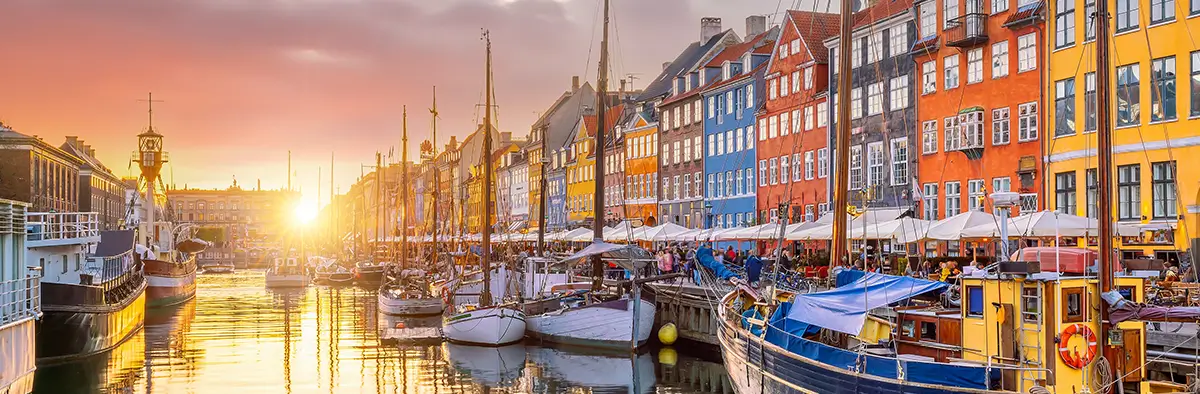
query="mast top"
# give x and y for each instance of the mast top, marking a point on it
(150, 112)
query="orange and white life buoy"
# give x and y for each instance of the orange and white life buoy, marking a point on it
(1071, 356)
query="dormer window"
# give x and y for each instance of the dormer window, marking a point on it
(687, 84)
(726, 70)
(746, 60)
(675, 87)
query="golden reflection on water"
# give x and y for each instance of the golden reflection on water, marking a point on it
(239, 337)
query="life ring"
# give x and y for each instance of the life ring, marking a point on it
(1073, 358)
(445, 297)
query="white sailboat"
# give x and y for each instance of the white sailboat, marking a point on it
(286, 273)
(486, 323)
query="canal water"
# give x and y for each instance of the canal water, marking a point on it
(238, 337)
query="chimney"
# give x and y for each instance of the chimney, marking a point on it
(72, 140)
(709, 27)
(623, 87)
(574, 83)
(666, 65)
(755, 25)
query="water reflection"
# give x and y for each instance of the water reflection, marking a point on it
(239, 337)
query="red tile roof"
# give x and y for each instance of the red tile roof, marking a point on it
(735, 52)
(815, 28)
(736, 78)
(612, 114)
(882, 9)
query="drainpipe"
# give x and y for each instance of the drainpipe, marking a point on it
(1043, 111)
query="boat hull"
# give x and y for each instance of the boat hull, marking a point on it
(604, 325)
(286, 281)
(16, 372)
(410, 307)
(410, 329)
(169, 283)
(68, 332)
(755, 366)
(493, 326)
(369, 276)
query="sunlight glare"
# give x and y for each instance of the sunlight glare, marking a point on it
(306, 212)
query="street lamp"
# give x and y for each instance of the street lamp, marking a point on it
(1003, 203)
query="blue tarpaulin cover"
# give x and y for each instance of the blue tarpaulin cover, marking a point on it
(845, 277)
(844, 309)
(705, 256)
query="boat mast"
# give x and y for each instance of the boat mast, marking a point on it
(485, 298)
(841, 188)
(436, 182)
(541, 240)
(378, 200)
(598, 151)
(1104, 163)
(332, 222)
(404, 191)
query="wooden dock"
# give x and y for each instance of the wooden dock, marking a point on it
(690, 307)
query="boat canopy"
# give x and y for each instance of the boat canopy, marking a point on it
(627, 256)
(844, 309)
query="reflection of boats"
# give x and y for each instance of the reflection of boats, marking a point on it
(580, 369)
(489, 366)
(286, 273)
(92, 303)
(18, 296)
(408, 294)
(219, 268)
(369, 272)
(410, 329)
(116, 371)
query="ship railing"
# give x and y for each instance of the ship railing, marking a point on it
(47, 226)
(115, 273)
(20, 298)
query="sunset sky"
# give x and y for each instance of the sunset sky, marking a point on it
(244, 81)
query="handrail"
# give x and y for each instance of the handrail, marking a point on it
(47, 226)
(20, 299)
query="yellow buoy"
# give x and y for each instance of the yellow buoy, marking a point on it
(668, 334)
(667, 356)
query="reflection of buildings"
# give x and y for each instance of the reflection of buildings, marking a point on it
(241, 223)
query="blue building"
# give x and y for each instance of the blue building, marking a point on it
(729, 133)
(556, 212)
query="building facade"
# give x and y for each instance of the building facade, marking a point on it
(640, 161)
(799, 71)
(99, 190)
(242, 224)
(978, 115)
(38, 173)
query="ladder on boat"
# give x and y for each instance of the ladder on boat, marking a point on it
(1031, 323)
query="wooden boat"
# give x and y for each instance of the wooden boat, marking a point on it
(171, 275)
(19, 291)
(93, 291)
(287, 273)
(333, 274)
(369, 272)
(407, 294)
(219, 268)
(487, 326)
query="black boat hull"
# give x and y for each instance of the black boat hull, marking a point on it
(69, 332)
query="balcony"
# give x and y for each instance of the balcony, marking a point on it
(967, 31)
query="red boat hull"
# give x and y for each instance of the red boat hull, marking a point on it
(169, 283)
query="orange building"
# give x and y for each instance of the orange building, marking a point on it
(977, 110)
(641, 166)
(798, 81)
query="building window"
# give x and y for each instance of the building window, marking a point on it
(929, 137)
(949, 13)
(774, 171)
(1195, 91)
(898, 40)
(1064, 22)
(928, 19)
(856, 176)
(728, 183)
(699, 112)
(1027, 52)
(899, 93)
(808, 78)
(822, 162)
(1194, 8)
(762, 172)
(874, 47)
(999, 59)
(1000, 126)
(1064, 192)
(808, 165)
(856, 53)
(999, 6)
(822, 113)
(930, 201)
(711, 190)
(1089, 102)
(1089, 22)
(796, 82)
(1128, 100)
(1162, 11)
(950, 69)
(1064, 105)
(1165, 193)
(952, 134)
(856, 103)
(808, 118)
(797, 170)
(975, 193)
(785, 124)
(784, 88)
(773, 125)
(784, 162)
(875, 98)
(929, 77)
(899, 161)
(1162, 89)
(696, 142)
(1027, 122)
(1092, 184)
(875, 164)
(1129, 192)
(953, 198)
(712, 109)
(975, 65)
(1127, 15)
(1003, 184)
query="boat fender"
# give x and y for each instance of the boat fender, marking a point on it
(667, 334)
(1072, 357)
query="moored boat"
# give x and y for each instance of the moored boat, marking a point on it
(171, 274)
(286, 273)
(407, 294)
(93, 291)
(488, 326)
(219, 268)
(369, 272)
(19, 293)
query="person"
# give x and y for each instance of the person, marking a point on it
(753, 269)
(729, 255)
(668, 262)
(1171, 274)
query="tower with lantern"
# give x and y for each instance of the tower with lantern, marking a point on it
(150, 158)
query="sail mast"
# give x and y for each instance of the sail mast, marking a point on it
(485, 298)
(598, 151)
(1104, 162)
(543, 159)
(436, 183)
(841, 188)
(404, 190)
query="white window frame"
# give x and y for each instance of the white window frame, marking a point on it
(1027, 57)
(929, 77)
(974, 65)
(1000, 59)
(950, 71)
(1027, 122)
(929, 137)
(1001, 126)
(875, 98)
(899, 152)
(822, 162)
(899, 93)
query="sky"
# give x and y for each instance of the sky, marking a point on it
(242, 82)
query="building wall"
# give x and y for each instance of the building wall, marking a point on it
(729, 154)
(676, 129)
(251, 220)
(581, 178)
(1138, 143)
(641, 163)
(556, 214)
(16, 175)
(614, 178)
(1000, 154)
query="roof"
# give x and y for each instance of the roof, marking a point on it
(740, 77)
(682, 64)
(816, 27)
(82, 154)
(881, 10)
(1025, 14)
(612, 115)
(756, 44)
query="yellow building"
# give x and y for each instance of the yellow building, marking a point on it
(581, 172)
(1152, 56)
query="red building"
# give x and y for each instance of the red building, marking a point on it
(978, 104)
(793, 154)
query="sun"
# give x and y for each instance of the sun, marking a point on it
(305, 212)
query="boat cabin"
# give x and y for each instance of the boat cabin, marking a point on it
(932, 333)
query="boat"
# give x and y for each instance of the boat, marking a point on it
(369, 272)
(407, 293)
(491, 367)
(93, 293)
(19, 292)
(168, 255)
(219, 268)
(286, 273)
(485, 323)
(333, 274)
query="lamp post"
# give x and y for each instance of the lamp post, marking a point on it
(1003, 203)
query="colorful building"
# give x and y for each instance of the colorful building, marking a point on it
(1152, 150)
(640, 160)
(547, 137)
(977, 111)
(731, 101)
(581, 167)
(883, 120)
(799, 71)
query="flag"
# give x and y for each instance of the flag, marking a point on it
(916, 191)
